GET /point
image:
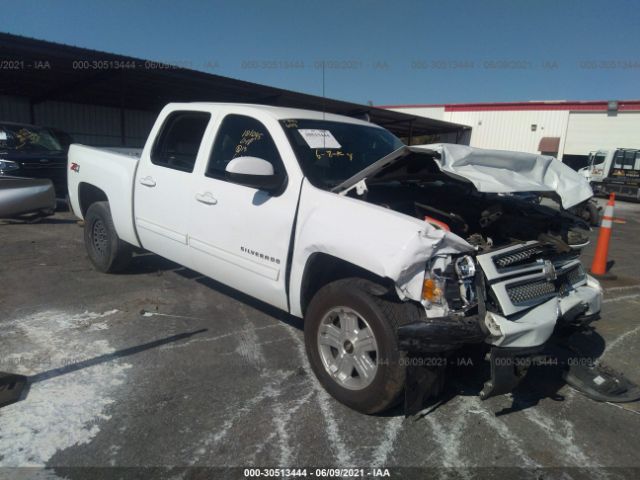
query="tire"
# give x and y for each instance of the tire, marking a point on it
(106, 251)
(333, 306)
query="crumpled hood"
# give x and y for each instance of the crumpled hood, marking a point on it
(501, 171)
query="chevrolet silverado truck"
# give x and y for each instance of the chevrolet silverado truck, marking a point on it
(390, 253)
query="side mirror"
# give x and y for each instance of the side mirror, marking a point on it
(253, 172)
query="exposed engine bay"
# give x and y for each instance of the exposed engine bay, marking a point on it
(415, 186)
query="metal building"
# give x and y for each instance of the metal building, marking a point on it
(567, 130)
(105, 99)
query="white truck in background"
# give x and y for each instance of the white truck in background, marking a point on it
(388, 252)
(614, 171)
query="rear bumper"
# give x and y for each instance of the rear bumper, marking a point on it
(19, 196)
(57, 173)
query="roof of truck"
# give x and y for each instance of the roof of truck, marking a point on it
(279, 113)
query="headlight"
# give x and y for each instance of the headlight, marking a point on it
(465, 267)
(7, 166)
(432, 290)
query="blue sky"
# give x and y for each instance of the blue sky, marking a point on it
(386, 52)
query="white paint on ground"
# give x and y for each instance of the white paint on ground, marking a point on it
(61, 411)
(282, 415)
(562, 433)
(449, 437)
(614, 343)
(625, 287)
(511, 441)
(383, 451)
(236, 412)
(248, 347)
(342, 453)
(621, 298)
(224, 336)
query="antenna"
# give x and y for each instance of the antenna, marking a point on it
(323, 93)
(324, 106)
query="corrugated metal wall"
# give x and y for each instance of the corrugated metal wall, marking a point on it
(597, 130)
(436, 113)
(580, 131)
(88, 124)
(14, 109)
(512, 130)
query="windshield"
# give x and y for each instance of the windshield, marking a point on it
(331, 152)
(23, 138)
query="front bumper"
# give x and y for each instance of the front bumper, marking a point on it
(535, 326)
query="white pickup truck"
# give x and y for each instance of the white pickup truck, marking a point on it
(388, 252)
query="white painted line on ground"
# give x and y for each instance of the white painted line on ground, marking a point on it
(625, 287)
(511, 440)
(621, 298)
(622, 408)
(615, 342)
(282, 418)
(382, 451)
(214, 339)
(147, 314)
(562, 433)
(248, 347)
(234, 414)
(343, 454)
(449, 438)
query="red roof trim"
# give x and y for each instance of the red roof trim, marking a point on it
(600, 105)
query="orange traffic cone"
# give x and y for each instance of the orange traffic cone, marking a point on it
(599, 265)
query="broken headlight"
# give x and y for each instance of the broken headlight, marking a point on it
(465, 267)
(465, 272)
(449, 284)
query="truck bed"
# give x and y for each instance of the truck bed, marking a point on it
(111, 171)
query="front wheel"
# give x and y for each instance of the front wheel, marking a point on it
(351, 342)
(106, 251)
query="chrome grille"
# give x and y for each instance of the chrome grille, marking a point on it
(575, 274)
(540, 289)
(517, 257)
(531, 292)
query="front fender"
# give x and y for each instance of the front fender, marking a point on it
(379, 240)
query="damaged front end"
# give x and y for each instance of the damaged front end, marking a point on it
(496, 265)
(510, 300)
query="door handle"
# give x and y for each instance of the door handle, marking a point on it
(206, 198)
(148, 182)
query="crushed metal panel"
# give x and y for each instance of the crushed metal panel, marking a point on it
(498, 171)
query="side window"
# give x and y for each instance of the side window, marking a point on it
(242, 136)
(629, 159)
(599, 159)
(179, 140)
(618, 159)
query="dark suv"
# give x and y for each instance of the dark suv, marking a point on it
(34, 152)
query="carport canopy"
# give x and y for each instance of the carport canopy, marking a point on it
(53, 71)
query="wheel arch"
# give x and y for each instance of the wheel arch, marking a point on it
(89, 194)
(322, 268)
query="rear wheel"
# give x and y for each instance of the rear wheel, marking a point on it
(351, 342)
(106, 250)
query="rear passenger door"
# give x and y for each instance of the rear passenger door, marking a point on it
(240, 235)
(163, 185)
